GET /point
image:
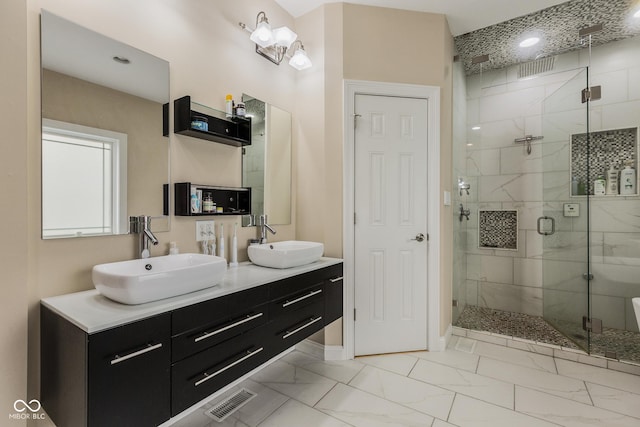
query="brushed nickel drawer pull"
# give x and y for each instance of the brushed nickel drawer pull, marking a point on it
(309, 295)
(306, 325)
(249, 318)
(249, 354)
(148, 348)
(337, 279)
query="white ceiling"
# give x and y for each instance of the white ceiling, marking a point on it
(463, 15)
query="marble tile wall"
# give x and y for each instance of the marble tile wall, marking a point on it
(504, 176)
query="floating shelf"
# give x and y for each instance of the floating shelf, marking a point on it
(232, 200)
(235, 131)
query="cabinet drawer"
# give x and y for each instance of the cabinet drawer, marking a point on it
(128, 370)
(204, 373)
(196, 340)
(293, 285)
(333, 299)
(291, 328)
(296, 301)
(219, 309)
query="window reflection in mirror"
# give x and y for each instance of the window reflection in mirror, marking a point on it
(266, 163)
(104, 156)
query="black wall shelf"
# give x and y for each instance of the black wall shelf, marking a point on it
(235, 131)
(233, 201)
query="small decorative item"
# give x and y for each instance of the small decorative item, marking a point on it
(240, 110)
(200, 123)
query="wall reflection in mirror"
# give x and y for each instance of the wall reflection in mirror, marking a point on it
(104, 153)
(266, 163)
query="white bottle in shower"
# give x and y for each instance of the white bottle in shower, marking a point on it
(612, 180)
(628, 179)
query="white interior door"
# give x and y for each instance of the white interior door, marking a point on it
(390, 218)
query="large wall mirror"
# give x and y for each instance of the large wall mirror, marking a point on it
(266, 163)
(105, 150)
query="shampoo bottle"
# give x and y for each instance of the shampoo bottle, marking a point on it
(228, 106)
(599, 186)
(628, 179)
(233, 255)
(612, 180)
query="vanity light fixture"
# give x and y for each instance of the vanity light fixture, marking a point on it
(274, 44)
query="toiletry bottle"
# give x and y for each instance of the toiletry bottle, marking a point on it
(628, 179)
(581, 189)
(195, 202)
(612, 180)
(228, 106)
(233, 255)
(599, 186)
(574, 186)
(221, 242)
(173, 248)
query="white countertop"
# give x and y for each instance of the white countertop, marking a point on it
(92, 312)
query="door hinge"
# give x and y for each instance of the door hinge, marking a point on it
(592, 325)
(592, 93)
(354, 314)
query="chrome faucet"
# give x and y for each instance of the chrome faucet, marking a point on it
(142, 225)
(263, 229)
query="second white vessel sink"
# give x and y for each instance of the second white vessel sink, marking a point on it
(287, 254)
(145, 280)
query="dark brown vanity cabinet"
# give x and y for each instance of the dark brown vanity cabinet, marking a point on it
(116, 377)
(142, 373)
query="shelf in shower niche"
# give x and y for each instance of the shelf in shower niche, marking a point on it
(498, 229)
(604, 148)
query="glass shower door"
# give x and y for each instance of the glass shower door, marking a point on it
(562, 235)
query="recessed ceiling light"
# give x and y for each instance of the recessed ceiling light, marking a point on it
(121, 60)
(529, 42)
(475, 128)
(469, 144)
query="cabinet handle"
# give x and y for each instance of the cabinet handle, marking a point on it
(249, 354)
(148, 348)
(306, 325)
(309, 295)
(337, 279)
(249, 318)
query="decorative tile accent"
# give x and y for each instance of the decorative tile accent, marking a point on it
(558, 27)
(498, 229)
(605, 147)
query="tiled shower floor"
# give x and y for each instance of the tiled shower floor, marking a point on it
(625, 343)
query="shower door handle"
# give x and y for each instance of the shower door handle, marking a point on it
(553, 225)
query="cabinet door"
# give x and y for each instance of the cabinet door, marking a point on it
(128, 370)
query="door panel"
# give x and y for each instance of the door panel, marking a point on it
(391, 210)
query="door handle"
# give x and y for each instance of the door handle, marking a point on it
(553, 225)
(419, 237)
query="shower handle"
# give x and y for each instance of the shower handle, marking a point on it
(553, 226)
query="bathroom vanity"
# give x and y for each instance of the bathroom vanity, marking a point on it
(106, 364)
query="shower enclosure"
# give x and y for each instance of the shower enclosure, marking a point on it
(575, 266)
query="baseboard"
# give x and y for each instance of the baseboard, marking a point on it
(321, 351)
(441, 342)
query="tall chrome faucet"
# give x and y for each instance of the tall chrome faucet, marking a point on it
(142, 225)
(262, 223)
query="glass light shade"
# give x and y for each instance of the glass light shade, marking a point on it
(262, 35)
(300, 60)
(284, 37)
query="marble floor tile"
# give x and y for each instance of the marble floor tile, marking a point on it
(469, 412)
(338, 370)
(415, 394)
(400, 363)
(294, 382)
(451, 357)
(464, 382)
(440, 423)
(569, 388)
(515, 356)
(567, 412)
(362, 409)
(258, 408)
(296, 414)
(596, 375)
(615, 400)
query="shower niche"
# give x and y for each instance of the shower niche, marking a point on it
(498, 229)
(615, 146)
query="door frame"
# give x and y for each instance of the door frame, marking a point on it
(432, 94)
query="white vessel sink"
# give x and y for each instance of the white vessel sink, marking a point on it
(636, 308)
(144, 280)
(291, 253)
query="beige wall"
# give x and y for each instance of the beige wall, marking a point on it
(13, 209)
(209, 56)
